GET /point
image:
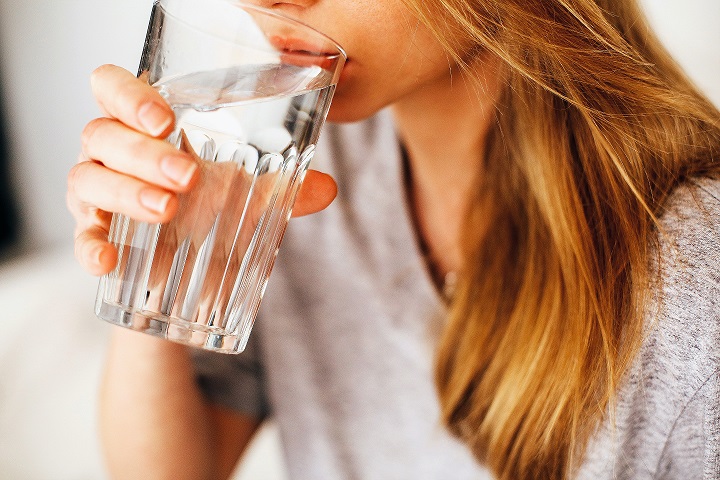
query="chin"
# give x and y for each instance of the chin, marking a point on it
(344, 109)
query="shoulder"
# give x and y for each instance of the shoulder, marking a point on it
(691, 217)
(681, 352)
(687, 294)
(666, 414)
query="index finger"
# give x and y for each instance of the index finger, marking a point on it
(128, 99)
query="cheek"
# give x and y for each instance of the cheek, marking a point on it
(389, 58)
(369, 88)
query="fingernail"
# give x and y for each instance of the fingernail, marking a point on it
(179, 170)
(154, 200)
(154, 118)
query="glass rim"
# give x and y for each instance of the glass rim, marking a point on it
(339, 50)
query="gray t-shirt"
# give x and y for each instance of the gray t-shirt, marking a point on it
(342, 351)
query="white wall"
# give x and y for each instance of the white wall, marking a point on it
(691, 31)
(49, 47)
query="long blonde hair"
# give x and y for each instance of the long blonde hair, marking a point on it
(596, 127)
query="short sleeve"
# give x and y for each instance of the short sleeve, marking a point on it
(234, 381)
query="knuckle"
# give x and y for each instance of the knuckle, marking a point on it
(99, 73)
(80, 244)
(139, 148)
(129, 94)
(70, 203)
(74, 177)
(89, 133)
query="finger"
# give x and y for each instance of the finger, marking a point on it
(94, 252)
(135, 103)
(316, 193)
(125, 150)
(92, 184)
(86, 215)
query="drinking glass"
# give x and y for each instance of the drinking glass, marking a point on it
(250, 90)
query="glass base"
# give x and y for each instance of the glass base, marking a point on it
(169, 328)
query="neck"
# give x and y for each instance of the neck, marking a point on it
(443, 126)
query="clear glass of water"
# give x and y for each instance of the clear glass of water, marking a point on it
(250, 90)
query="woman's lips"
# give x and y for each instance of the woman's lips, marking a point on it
(303, 53)
(301, 45)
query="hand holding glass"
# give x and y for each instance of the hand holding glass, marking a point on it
(250, 90)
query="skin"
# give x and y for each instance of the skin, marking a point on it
(126, 166)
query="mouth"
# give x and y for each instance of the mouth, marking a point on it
(304, 53)
(297, 45)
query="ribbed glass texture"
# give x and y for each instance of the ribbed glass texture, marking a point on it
(249, 114)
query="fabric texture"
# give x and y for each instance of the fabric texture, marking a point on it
(342, 350)
(668, 411)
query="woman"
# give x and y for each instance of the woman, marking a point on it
(545, 164)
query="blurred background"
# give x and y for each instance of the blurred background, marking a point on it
(50, 342)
